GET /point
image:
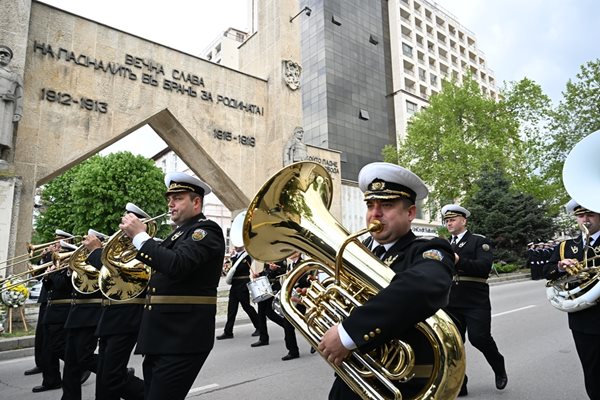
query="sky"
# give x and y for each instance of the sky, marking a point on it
(544, 40)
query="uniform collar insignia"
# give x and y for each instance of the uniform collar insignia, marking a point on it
(390, 260)
(461, 244)
(176, 235)
(575, 249)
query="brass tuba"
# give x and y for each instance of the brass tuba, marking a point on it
(290, 213)
(580, 287)
(122, 277)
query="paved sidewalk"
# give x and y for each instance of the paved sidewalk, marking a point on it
(23, 346)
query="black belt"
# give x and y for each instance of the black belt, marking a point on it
(469, 279)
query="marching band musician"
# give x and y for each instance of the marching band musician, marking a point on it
(80, 341)
(423, 270)
(55, 297)
(46, 257)
(239, 293)
(177, 331)
(584, 324)
(469, 305)
(117, 332)
(265, 310)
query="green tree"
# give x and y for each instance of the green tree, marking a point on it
(510, 218)
(94, 194)
(577, 115)
(463, 131)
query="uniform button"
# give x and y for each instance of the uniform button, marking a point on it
(377, 331)
(142, 254)
(372, 334)
(145, 306)
(153, 290)
(366, 337)
(150, 308)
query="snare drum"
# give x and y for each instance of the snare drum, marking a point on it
(260, 289)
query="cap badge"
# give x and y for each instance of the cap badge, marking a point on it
(198, 234)
(379, 185)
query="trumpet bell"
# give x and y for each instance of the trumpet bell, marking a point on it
(583, 184)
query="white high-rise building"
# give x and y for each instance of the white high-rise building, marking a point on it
(428, 44)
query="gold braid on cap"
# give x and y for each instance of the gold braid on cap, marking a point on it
(180, 187)
(580, 210)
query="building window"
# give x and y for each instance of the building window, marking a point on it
(433, 80)
(411, 107)
(336, 20)
(407, 50)
(363, 114)
(373, 39)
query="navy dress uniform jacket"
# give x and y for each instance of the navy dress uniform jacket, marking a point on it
(476, 258)
(587, 320)
(58, 287)
(187, 263)
(424, 270)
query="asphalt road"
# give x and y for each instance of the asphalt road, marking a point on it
(540, 356)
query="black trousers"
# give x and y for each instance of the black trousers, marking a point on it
(265, 309)
(239, 295)
(171, 376)
(54, 350)
(476, 323)
(588, 349)
(39, 336)
(79, 357)
(112, 380)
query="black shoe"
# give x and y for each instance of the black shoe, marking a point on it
(463, 391)
(255, 333)
(225, 336)
(33, 371)
(501, 381)
(313, 350)
(259, 343)
(85, 376)
(290, 356)
(42, 388)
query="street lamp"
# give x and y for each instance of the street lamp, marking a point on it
(305, 9)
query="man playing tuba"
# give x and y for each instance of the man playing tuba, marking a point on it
(423, 268)
(585, 323)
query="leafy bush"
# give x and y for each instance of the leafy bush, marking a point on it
(504, 268)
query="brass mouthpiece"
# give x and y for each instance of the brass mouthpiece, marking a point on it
(375, 226)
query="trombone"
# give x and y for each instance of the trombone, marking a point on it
(60, 257)
(31, 252)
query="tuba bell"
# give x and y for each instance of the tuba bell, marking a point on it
(291, 213)
(580, 287)
(122, 277)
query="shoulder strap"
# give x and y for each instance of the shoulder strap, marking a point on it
(562, 249)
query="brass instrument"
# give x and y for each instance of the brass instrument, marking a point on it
(84, 277)
(580, 287)
(122, 277)
(290, 213)
(57, 258)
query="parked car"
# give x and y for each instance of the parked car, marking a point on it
(34, 291)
